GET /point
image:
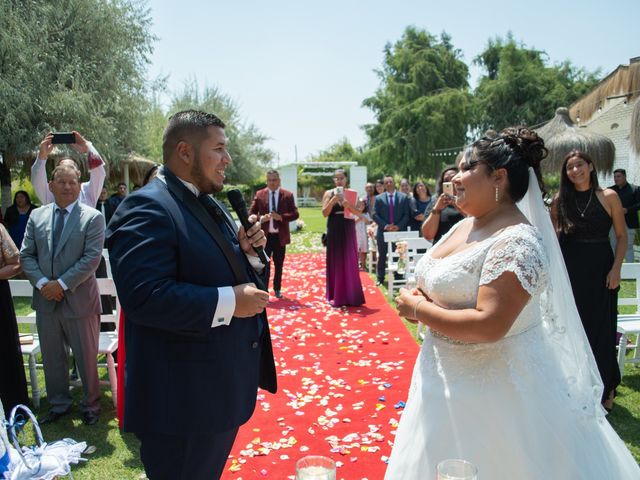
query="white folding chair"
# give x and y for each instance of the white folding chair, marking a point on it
(393, 269)
(22, 288)
(629, 324)
(108, 343)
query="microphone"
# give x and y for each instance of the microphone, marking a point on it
(240, 207)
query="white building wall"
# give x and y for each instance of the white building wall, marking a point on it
(358, 179)
(614, 122)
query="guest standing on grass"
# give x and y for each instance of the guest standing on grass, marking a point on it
(391, 213)
(583, 214)
(275, 207)
(13, 384)
(419, 203)
(17, 215)
(60, 254)
(442, 214)
(343, 277)
(89, 191)
(363, 222)
(630, 199)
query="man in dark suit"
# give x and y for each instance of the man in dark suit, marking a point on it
(104, 205)
(60, 253)
(197, 339)
(391, 213)
(630, 199)
(276, 208)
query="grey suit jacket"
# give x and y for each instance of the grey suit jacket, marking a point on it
(75, 260)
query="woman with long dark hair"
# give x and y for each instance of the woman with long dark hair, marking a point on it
(17, 215)
(583, 214)
(419, 203)
(343, 276)
(443, 213)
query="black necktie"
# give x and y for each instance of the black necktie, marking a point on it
(217, 214)
(273, 201)
(57, 231)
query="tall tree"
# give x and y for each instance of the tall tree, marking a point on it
(520, 87)
(421, 105)
(246, 143)
(73, 64)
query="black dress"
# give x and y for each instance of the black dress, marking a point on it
(13, 383)
(589, 258)
(449, 216)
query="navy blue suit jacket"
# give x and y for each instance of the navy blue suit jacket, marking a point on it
(182, 376)
(401, 210)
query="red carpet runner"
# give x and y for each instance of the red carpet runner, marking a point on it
(343, 377)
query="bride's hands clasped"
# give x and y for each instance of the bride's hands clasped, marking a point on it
(408, 301)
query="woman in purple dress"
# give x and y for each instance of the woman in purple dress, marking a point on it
(343, 278)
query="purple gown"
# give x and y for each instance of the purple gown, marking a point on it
(343, 276)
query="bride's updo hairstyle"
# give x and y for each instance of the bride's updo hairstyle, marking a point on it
(515, 149)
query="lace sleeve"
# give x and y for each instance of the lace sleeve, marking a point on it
(519, 252)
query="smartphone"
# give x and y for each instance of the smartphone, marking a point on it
(339, 190)
(66, 137)
(447, 188)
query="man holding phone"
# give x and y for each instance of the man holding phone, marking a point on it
(89, 191)
(275, 207)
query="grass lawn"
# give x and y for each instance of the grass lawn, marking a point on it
(117, 455)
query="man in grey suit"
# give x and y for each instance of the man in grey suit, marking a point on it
(60, 253)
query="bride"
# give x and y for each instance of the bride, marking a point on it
(505, 378)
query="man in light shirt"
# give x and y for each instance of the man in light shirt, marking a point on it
(89, 191)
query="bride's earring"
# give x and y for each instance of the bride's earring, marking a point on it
(497, 195)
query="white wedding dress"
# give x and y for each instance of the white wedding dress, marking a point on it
(502, 406)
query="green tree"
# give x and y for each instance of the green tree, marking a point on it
(72, 64)
(520, 87)
(154, 122)
(246, 144)
(421, 105)
(341, 151)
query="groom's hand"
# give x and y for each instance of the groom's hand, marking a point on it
(254, 237)
(250, 300)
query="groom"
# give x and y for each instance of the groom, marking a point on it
(197, 338)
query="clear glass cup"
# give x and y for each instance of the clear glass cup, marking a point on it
(315, 467)
(456, 469)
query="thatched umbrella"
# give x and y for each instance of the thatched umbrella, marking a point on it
(131, 169)
(561, 136)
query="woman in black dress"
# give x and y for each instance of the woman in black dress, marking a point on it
(442, 214)
(583, 214)
(13, 383)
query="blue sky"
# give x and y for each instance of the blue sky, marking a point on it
(299, 70)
